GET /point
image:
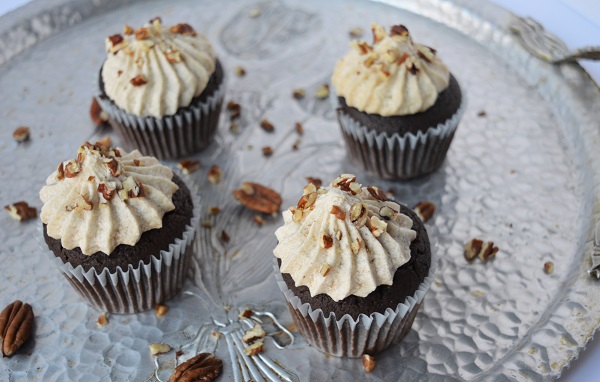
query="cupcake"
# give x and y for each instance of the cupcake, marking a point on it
(120, 227)
(399, 106)
(353, 266)
(162, 89)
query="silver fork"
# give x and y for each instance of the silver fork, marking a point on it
(548, 47)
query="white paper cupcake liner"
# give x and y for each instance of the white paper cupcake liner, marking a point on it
(398, 156)
(184, 133)
(139, 287)
(348, 337)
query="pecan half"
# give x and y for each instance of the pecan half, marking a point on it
(204, 367)
(258, 197)
(21, 210)
(16, 321)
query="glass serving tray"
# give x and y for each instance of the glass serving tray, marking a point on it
(520, 173)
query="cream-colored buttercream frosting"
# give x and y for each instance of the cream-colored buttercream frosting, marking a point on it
(394, 76)
(105, 198)
(154, 71)
(343, 239)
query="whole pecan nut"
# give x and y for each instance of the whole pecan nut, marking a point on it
(16, 321)
(204, 367)
(258, 197)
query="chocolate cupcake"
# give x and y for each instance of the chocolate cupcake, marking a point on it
(162, 89)
(399, 106)
(120, 227)
(354, 267)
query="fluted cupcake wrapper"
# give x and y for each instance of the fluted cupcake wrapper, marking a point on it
(348, 337)
(184, 133)
(139, 287)
(398, 156)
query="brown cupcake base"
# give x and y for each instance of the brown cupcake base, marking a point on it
(132, 284)
(401, 148)
(187, 132)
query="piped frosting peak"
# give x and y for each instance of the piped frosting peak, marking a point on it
(393, 76)
(105, 197)
(154, 71)
(343, 239)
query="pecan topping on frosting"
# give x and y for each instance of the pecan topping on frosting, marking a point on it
(183, 29)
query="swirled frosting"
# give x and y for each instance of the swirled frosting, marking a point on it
(105, 198)
(153, 71)
(394, 76)
(343, 239)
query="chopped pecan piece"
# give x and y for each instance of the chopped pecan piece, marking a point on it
(102, 320)
(253, 334)
(326, 242)
(548, 267)
(259, 220)
(322, 91)
(478, 248)
(316, 181)
(337, 212)
(299, 128)
(267, 126)
(204, 367)
(185, 29)
(21, 134)
(214, 174)
(325, 268)
(267, 151)
(161, 310)
(116, 39)
(188, 166)
(156, 349)
(258, 197)
(298, 93)
(142, 34)
(225, 237)
(255, 348)
(368, 362)
(214, 210)
(240, 71)
(127, 30)
(424, 210)
(356, 32)
(377, 193)
(16, 322)
(21, 210)
(296, 145)
(307, 200)
(139, 80)
(247, 313)
(399, 30)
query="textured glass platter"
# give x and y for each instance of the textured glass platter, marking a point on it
(520, 173)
